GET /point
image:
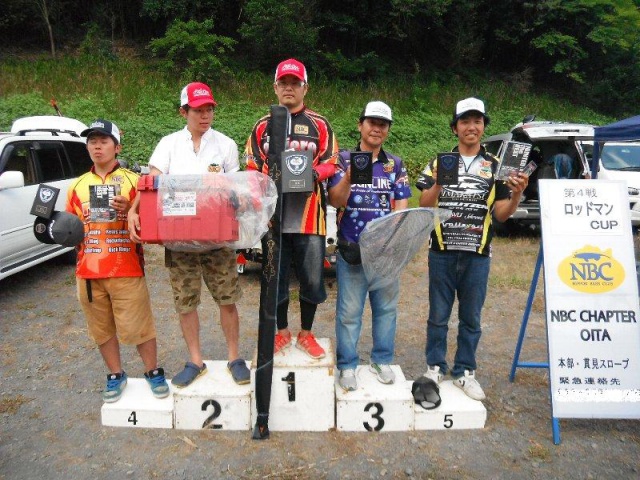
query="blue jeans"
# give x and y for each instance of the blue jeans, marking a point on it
(352, 293)
(465, 274)
(307, 253)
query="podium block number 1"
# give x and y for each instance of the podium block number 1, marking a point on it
(291, 385)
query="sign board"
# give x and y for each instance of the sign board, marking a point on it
(591, 292)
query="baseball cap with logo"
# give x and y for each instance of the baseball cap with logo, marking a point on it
(62, 228)
(467, 105)
(105, 127)
(197, 94)
(379, 110)
(291, 67)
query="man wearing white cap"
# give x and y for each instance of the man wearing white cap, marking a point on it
(198, 149)
(388, 192)
(304, 215)
(459, 257)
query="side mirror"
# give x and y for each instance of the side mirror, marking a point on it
(11, 179)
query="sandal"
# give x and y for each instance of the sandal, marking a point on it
(239, 371)
(190, 372)
(426, 393)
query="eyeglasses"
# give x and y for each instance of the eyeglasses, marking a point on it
(283, 85)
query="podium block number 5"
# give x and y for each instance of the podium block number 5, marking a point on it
(217, 410)
(377, 415)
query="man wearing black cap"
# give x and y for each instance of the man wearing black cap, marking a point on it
(459, 257)
(388, 191)
(111, 285)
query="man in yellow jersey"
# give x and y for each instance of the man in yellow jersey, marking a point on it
(111, 286)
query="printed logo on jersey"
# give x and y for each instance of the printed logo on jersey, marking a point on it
(301, 130)
(485, 172)
(591, 270)
(389, 166)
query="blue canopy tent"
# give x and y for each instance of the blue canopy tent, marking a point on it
(622, 131)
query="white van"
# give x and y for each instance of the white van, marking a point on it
(621, 161)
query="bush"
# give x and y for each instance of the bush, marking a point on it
(192, 49)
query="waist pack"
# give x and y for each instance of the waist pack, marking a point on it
(350, 252)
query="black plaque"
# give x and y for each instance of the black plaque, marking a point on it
(361, 167)
(45, 201)
(297, 171)
(448, 168)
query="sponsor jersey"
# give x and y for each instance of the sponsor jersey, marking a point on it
(390, 182)
(471, 201)
(302, 212)
(107, 251)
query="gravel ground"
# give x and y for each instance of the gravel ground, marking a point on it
(51, 377)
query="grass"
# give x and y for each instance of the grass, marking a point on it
(143, 102)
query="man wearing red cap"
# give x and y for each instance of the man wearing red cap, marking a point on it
(199, 149)
(304, 214)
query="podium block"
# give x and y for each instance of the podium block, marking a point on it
(214, 401)
(139, 408)
(302, 393)
(456, 412)
(375, 406)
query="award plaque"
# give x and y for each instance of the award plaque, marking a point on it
(45, 201)
(361, 167)
(448, 168)
(297, 171)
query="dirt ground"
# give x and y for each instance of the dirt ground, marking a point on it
(51, 378)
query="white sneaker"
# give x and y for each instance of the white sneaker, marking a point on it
(383, 372)
(348, 380)
(434, 373)
(470, 385)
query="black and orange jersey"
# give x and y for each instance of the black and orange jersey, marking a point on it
(302, 212)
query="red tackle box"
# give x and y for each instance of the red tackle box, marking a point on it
(189, 214)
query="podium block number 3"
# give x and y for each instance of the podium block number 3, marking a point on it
(217, 410)
(375, 410)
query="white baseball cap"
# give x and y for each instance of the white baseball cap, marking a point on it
(470, 104)
(378, 110)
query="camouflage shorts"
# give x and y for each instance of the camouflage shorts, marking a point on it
(217, 268)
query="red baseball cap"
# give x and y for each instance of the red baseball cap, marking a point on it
(291, 67)
(197, 94)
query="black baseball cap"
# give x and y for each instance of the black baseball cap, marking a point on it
(62, 228)
(105, 127)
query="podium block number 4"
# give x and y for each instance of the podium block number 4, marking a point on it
(132, 418)
(217, 410)
(375, 410)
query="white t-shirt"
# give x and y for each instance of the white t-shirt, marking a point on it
(174, 154)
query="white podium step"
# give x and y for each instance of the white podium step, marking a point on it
(139, 408)
(374, 406)
(302, 392)
(213, 401)
(456, 412)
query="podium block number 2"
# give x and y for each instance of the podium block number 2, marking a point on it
(375, 410)
(217, 410)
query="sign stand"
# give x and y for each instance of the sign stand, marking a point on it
(555, 423)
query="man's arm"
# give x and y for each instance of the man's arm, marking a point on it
(504, 208)
(339, 193)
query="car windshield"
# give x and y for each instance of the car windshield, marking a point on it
(621, 157)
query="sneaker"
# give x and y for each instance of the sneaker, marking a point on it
(309, 345)
(348, 380)
(383, 372)
(434, 373)
(281, 342)
(239, 371)
(190, 372)
(470, 385)
(157, 382)
(115, 385)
